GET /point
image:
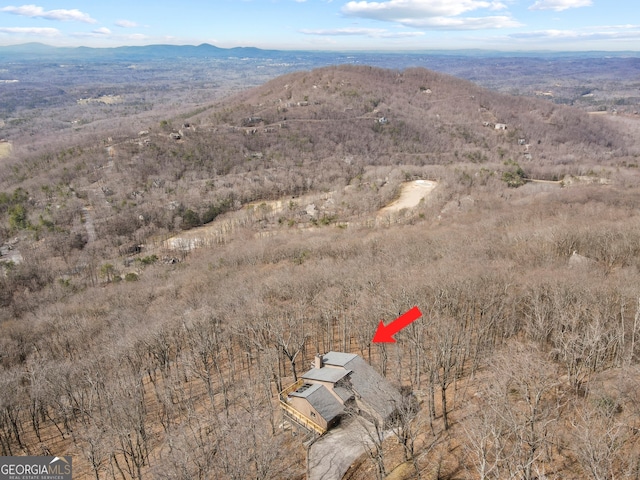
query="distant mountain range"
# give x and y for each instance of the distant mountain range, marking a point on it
(39, 51)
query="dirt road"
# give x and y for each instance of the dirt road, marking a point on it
(217, 231)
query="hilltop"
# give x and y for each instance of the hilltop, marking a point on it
(160, 284)
(417, 112)
(60, 96)
(305, 133)
(333, 129)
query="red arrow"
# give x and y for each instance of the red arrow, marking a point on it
(385, 334)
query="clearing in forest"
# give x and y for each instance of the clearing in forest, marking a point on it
(410, 195)
(215, 232)
(5, 149)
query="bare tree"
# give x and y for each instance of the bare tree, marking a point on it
(289, 334)
(487, 438)
(193, 447)
(96, 445)
(597, 437)
(527, 401)
(205, 341)
(372, 436)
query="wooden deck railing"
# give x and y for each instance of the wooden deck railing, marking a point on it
(291, 388)
(297, 416)
(302, 420)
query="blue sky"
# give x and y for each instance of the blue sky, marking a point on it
(329, 24)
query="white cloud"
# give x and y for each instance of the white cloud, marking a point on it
(438, 14)
(559, 5)
(33, 11)
(368, 32)
(42, 32)
(607, 32)
(126, 24)
(401, 34)
(463, 23)
(344, 31)
(104, 34)
(392, 10)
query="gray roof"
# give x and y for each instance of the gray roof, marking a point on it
(344, 393)
(339, 359)
(305, 390)
(374, 390)
(321, 400)
(326, 374)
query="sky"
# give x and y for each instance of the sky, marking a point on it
(343, 25)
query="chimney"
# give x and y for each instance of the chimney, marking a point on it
(318, 361)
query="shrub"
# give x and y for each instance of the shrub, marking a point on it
(515, 176)
(18, 218)
(190, 219)
(149, 259)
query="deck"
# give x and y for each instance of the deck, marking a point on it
(296, 416)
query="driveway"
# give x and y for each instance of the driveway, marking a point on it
(331, 456)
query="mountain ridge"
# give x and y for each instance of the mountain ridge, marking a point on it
(35, 50)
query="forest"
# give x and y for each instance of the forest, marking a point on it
(147, 358)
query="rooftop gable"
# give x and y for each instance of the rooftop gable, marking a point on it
(338, 359)
(320, 399)
(325, 403)
(332, 375)
(305, 390)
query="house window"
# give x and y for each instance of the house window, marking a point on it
(313, 415)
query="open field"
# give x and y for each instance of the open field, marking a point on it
(104, 99)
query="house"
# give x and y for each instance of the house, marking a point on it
(251, 121)
(338, 384)
(314, 401)
(577, 260)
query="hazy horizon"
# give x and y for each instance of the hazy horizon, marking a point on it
(343, 51)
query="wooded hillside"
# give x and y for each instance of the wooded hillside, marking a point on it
(145, 361)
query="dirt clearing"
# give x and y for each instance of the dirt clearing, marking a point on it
(104, 99)
(216, 232)
(410, 195)
(5, 149)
